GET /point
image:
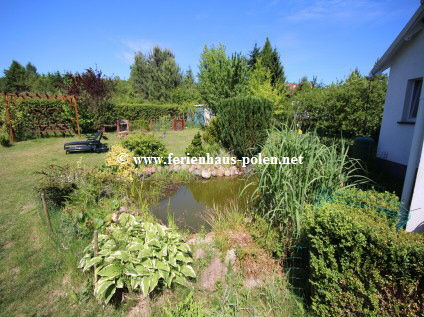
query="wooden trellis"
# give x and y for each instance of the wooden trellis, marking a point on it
(11, 98)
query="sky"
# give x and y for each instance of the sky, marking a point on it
(323, 38)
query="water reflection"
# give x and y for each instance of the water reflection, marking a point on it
(190, 203)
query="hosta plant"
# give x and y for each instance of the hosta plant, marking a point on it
(138, 256)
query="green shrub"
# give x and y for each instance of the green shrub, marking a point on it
(211, 139)
(350, 107)
(145, 145)
(58, 182)
(359, 266)
(242, 123)
(285, 189)
(195, 148)
(4, 136)
(138, 256)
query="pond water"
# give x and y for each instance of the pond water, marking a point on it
(191, 203)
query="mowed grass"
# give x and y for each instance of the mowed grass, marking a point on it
(177, 141)
(38, 270)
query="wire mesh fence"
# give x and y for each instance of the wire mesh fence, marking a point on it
(296, 261)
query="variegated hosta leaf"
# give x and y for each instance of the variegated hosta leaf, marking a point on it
(93, 261)
(181, 257)
(181, 280)
(130, 270)
(111, 271)
(161, 265)
(104, 289)
(135, 246)
(187, 270)
(145, 285)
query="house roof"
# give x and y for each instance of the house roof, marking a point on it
(415, 25)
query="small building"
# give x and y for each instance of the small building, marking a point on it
(201, 115)
(400, 145)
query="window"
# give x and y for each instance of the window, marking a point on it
(413, 99)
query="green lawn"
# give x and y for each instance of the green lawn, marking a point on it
(38, 271)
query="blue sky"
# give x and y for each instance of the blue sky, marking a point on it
(325, 38)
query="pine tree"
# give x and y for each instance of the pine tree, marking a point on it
(254, 56)
(271, 60)
(15, 78)
(154, 75)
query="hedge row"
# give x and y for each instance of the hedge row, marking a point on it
(145, 111)
(23, 118)
(361, 266)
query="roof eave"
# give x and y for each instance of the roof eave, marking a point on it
(414, 25)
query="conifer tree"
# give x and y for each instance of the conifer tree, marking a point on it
(271, 60)
(254, 56)
(15, 78)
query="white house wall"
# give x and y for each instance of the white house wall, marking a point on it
(395, 139)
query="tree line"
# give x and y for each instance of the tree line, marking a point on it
(351, 106)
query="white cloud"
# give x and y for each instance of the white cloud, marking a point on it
(339, 10)
(131, 46)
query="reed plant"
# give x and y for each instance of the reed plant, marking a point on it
(285, 189)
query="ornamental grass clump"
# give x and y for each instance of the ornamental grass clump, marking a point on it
(285, 189)
(138, 256)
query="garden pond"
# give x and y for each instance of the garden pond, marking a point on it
(190, 204)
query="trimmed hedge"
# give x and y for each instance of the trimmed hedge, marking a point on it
(145, 111)
(360, 266)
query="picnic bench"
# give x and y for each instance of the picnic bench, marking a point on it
(62, 128)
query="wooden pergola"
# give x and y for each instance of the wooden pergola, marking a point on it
(12, 97)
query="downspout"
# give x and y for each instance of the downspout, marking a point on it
(414, 154)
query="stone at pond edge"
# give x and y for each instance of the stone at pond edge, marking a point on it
(199, 254)
(206, 174)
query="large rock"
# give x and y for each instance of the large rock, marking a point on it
(215, 272)
(206, 174)
(213, 173)
(220, 172)
(227, 173)
(197, 172)
(199, 254)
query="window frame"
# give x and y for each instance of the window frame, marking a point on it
(413, 95)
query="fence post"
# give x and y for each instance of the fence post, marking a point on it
(46, 212)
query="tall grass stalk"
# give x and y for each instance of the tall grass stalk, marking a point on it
(285, 190)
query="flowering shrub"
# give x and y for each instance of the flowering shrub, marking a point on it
(120, 160)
